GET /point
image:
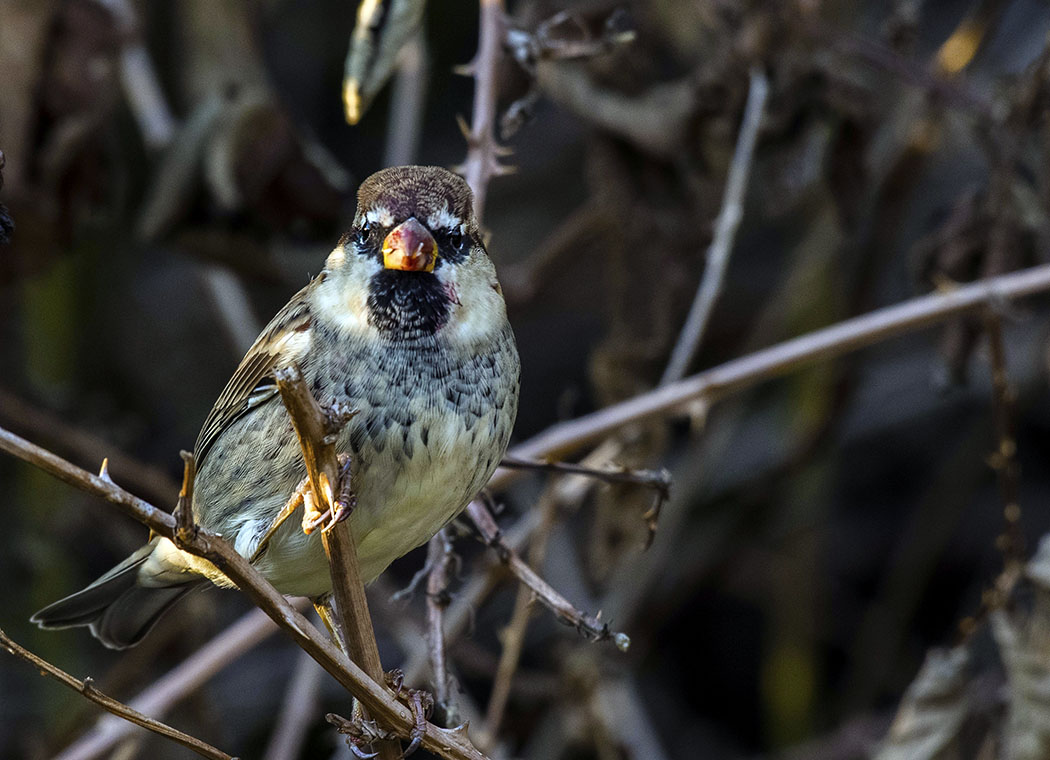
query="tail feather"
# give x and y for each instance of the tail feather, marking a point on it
(117, 608)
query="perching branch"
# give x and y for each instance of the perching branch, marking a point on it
(441, 560)
(448, 743)
(587, 625)
(87, 688)
(317, 430)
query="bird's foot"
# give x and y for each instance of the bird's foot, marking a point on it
(360, 734)
(420, 702)
(344, 504)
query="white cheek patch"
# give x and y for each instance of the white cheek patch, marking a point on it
(381, 216)
(445, 220)
(342, 299)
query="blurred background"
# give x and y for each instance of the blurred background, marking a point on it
(825, 530)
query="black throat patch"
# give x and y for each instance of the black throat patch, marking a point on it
(407, 305)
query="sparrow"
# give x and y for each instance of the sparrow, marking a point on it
(405, 324)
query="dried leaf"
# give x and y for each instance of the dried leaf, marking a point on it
(932, 711)
(383, 28)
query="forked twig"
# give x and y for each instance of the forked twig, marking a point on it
(746, 371)
(588, 625)
(87, 688)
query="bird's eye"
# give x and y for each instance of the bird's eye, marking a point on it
(457, 241)
(361, 236)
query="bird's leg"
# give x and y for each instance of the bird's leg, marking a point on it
(298, 497)
(344, 504)
(420, 702)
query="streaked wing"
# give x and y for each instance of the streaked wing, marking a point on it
(252, 383)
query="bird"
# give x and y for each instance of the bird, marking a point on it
(406, 324)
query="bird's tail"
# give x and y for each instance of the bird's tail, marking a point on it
(117, 607)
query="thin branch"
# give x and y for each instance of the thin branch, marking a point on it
(658, 480)
(441, 559)
(184, 524)
(1004, 460)
(176, 684)
(448, 743)
(1007, 473)
(316, 430)
(587, 625)
(828, 343)
(88, 690)
(482, 161)
(726, 225)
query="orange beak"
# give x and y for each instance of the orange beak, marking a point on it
(410, 247)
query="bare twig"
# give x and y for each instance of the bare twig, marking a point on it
(441, 559)
(175, 685)
(658, 480)
(184, 523)
(726, 225)
(482, 162)
(587, 625)
(87, 688)
(820, 345)
(448, 743)
(1004, 460)
(316, 431)
(139, 78)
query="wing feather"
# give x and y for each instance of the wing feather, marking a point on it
(252, 383)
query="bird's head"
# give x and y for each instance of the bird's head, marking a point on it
(413, 264)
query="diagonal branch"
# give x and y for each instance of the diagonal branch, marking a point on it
(736, 375)
(87, 688)
(379, 701)
(588, 625)
(188, 676)
(726, 225)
